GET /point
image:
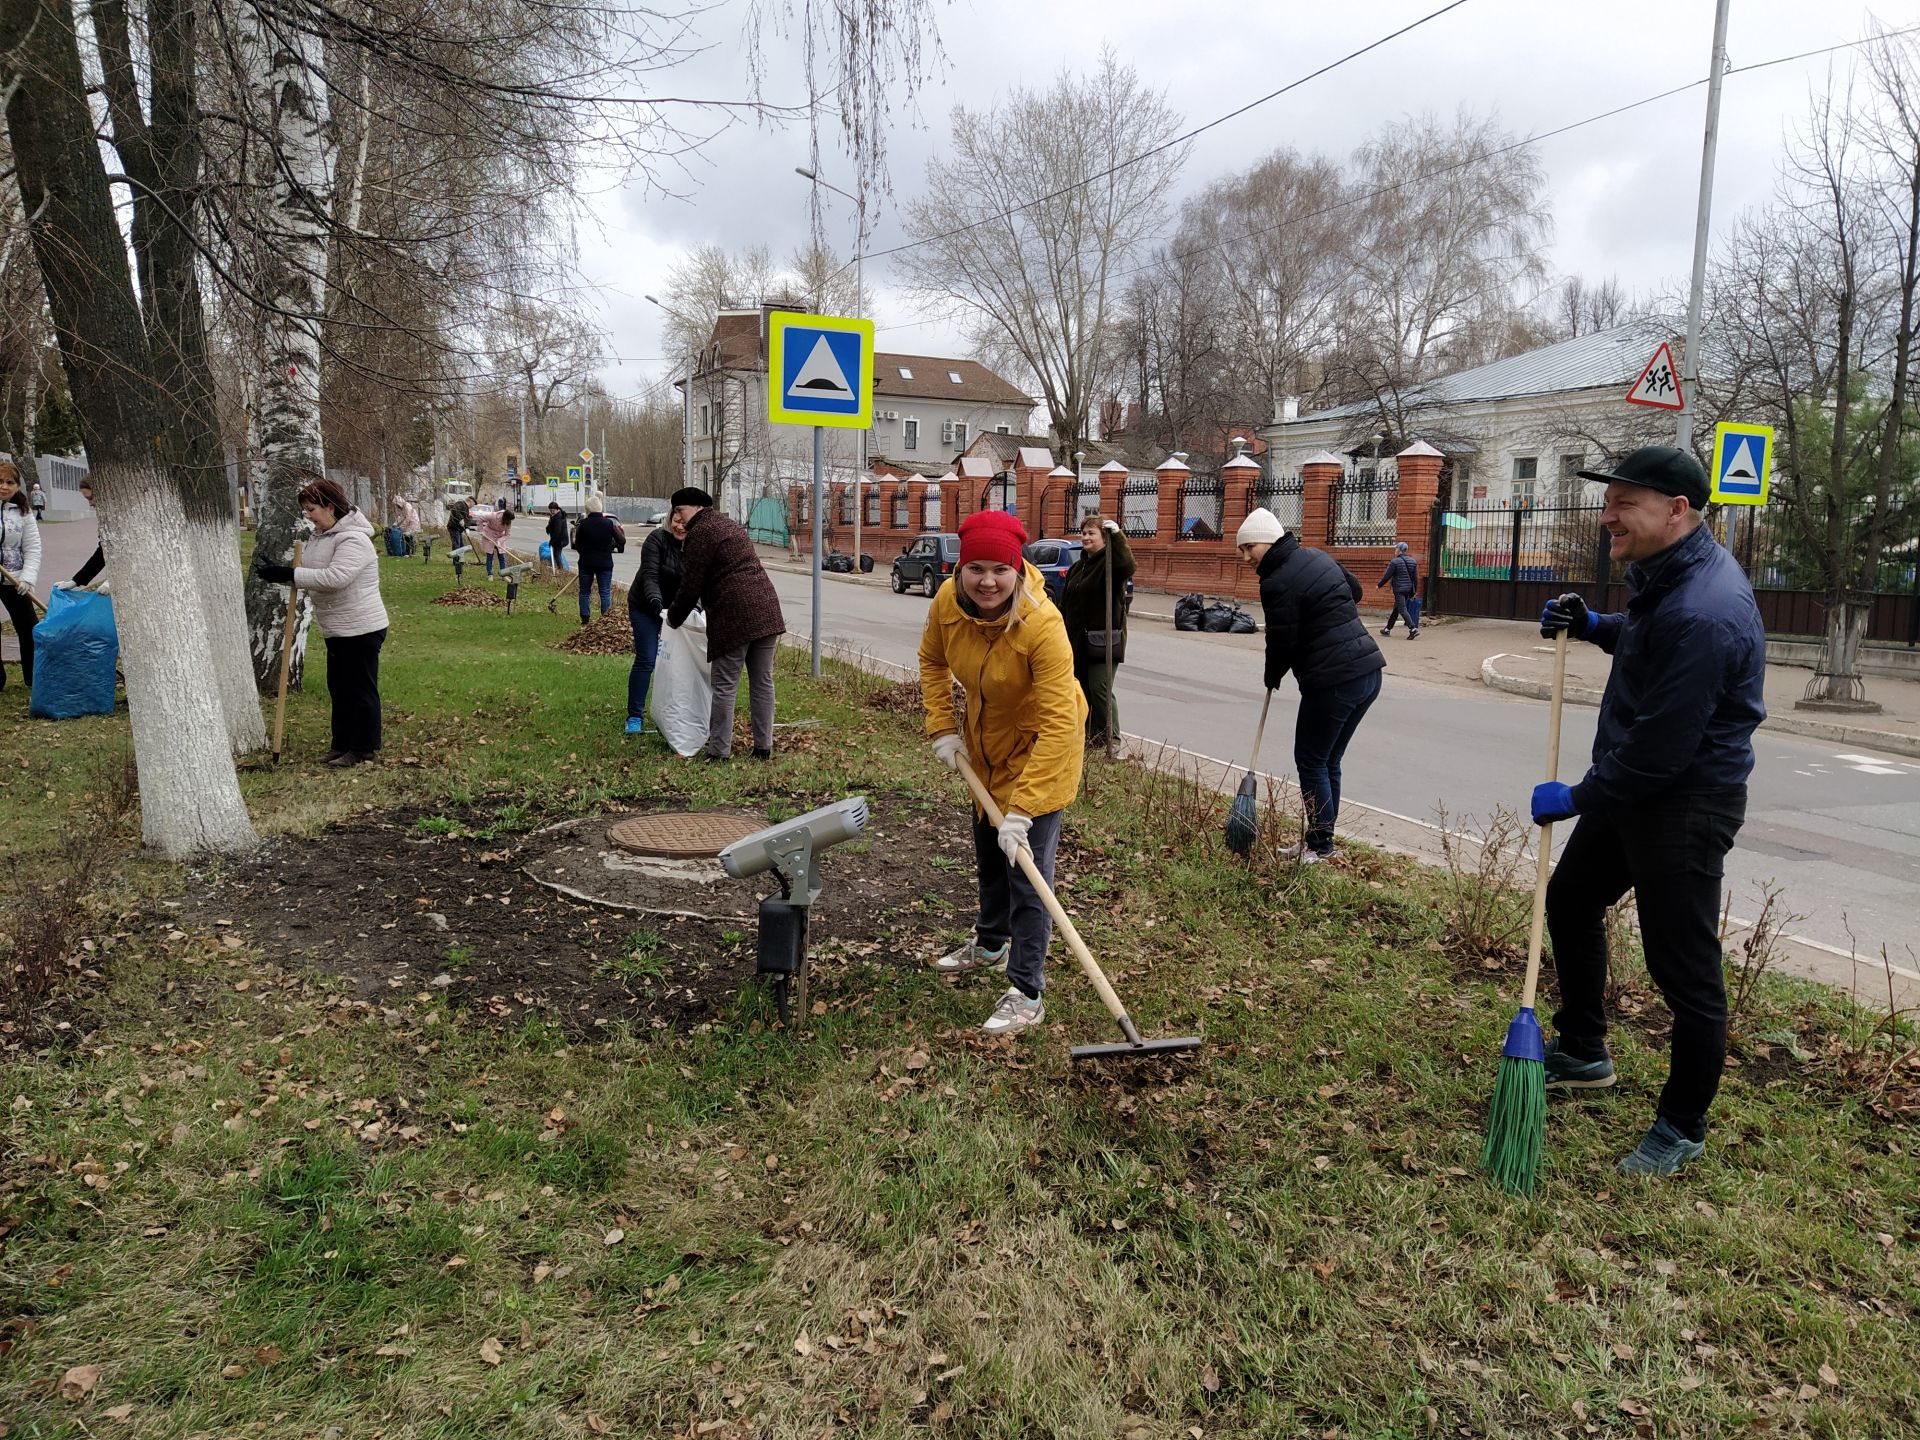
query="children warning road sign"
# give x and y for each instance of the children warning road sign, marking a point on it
(1742, 463)
(820, 370)
(1659, 383)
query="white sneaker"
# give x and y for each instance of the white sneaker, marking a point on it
(972, 956)
(1318, 857)
(1014, 1013)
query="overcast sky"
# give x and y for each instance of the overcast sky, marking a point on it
(1622, 191)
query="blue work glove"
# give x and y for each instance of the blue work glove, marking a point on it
(1553, 801)
(274, 574)
(1566, 612)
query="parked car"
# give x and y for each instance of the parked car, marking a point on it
(1053, 558)
(925, 563)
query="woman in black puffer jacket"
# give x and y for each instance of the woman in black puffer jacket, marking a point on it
(595, 539)
(1105, 563)
(1314, 629)
(647, 601)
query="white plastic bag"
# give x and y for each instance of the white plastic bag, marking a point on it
(681, 697)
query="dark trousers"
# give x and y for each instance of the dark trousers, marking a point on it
(21, 612)
(1325, 725)
(1672, 854)
(1101, 711)
(1010, 908)
(588, 580)
(1403, 609)
(646, 650)
(353, 682)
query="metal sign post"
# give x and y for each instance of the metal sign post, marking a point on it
(819, 499)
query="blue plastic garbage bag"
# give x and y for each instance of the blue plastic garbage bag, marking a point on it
(75, 650)
(546, 551)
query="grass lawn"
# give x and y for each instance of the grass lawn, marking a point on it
(240, 1198)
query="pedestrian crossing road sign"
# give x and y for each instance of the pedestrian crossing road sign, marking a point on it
(1742, 463)
(820, 370)
(576, 474)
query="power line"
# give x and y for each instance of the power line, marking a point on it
(1351, 200)
(1181, 139)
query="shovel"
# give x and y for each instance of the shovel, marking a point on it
(1134, 1045)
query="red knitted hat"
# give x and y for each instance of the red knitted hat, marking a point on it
(992, 535)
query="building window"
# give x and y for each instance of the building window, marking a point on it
(1003, 429)
(910, 434)
(954, 376)
(905, 373)
(703, 474)
(706, 421)
(959, 434)
(1570, 466)
(1526, 470)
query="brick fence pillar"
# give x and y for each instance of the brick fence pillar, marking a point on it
(1062, 486)
(1419, 466)
(1238, 476)
(1029, 483)
(1171, 476)
(1318, 475)
(916, 506)
(1113, 492)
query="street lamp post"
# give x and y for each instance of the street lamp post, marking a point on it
(860, 287)
(686, 403)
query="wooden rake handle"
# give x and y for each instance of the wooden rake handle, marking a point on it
(286, 656)
(1543, 865)
(1062, 921)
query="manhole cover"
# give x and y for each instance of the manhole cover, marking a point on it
(681, 835)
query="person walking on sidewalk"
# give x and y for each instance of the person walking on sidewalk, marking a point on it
(720, 569)
(557, 536)
(994, 630)
(652, 591)
(597, 538)
(1666, 794)
(1313, 629)
(341, 573)
(1403, 573)
(1098, 578)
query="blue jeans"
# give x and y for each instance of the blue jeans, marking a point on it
(1010, 908)
(646, 650)
(503, 564)
(1325, 724)
(605, 580)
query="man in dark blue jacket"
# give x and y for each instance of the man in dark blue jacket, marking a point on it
(1666, 794)
(1313, 629)
(1403, 573)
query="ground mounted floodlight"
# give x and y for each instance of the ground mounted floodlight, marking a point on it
(791, 850)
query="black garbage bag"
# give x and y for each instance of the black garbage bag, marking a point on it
(1218, 619)
(1242, 623)
(1189, 612)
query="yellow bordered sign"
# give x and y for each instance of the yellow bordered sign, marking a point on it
(820, 370)
(1742, 463)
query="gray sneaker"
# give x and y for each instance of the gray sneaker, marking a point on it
(972, 956)
(1661, 1151)
(1568, 1072)
(1014, 1013)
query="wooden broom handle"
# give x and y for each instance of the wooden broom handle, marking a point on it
(286, 655)
(1260, 732)
(1088, 965)
(1543, 866)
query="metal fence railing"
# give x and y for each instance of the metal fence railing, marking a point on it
(1201, 500)
(1086, 498)
(1140, 506)
(899, 507)
(930, 508)
(1560, 543)
(1282, 495)
(1365, 509)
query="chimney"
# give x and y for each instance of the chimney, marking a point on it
(1289, 407)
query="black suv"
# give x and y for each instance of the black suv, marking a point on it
(925, 563)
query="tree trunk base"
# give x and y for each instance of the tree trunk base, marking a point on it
(1833, 706)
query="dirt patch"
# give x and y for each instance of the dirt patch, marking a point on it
(392, 906)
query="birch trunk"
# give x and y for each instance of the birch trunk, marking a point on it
(189, 793)
(287, 92)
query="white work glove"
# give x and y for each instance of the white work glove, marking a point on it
(1013, 835)
(947, 750)
(1110, 526)
(63, 584)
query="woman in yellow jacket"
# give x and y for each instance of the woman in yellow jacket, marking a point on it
(995, 631)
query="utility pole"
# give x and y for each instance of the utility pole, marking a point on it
(1690, 365)
(526, 469)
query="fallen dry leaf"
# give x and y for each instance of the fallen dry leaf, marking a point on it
(1827, 1375)
(802, 1345)
(121, 1413)
(1209, 1379)
(614, 1236)
(490, 1350)
(78, 1382)
(597, 1425)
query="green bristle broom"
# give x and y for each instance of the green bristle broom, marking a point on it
(1517, 1118)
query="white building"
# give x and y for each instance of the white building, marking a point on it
(927, 409)
(1514, 432)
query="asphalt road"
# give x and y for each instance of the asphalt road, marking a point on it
(1838, 828)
